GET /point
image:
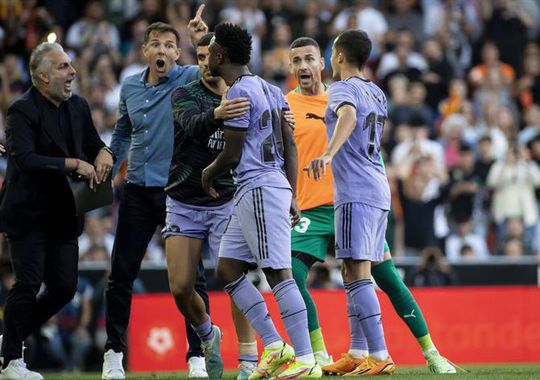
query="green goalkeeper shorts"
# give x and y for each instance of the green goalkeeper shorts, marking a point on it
(314, 232)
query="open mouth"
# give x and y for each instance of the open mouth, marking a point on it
(160, 63)
(305, 77)
(67, 85)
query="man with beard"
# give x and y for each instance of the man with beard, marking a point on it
(145, 127)
(49, 133)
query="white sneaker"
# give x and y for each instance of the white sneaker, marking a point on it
(197, 367)
(1, 357)
(112, 366)
(16, 370)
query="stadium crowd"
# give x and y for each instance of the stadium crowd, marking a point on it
(462, 143)
(463, 78)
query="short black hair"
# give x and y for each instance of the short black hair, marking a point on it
(485, 138)
(355, 45)
(465, 148)
(304, 41)
(205, 40)
(416, 120)
(236, 41)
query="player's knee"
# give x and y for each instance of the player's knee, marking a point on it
(275, 276)
(224, 275)
(181, 288)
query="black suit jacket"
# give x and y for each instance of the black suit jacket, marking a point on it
(36, 191)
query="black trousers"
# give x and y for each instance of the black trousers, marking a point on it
(37, 257)
(141, 211)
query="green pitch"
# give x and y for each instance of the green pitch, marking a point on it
(491, 372)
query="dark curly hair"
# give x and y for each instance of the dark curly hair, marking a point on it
(235, 41)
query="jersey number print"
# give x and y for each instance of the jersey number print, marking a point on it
(370, 123)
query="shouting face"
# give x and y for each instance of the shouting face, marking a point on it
(161, 52)
(306, 65)
(59, 76)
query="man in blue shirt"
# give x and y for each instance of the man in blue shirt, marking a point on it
(144, 130)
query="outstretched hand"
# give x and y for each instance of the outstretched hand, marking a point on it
(317, 167)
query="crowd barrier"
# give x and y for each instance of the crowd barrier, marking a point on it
(468, 324)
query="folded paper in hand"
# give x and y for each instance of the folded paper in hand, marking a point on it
(87, 199)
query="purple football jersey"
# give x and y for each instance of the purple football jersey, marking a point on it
(359, 174)
(262, 154)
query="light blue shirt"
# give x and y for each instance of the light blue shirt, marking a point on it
(144, 126)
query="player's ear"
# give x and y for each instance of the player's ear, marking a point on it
(322, 64)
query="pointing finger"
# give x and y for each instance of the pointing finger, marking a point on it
(198, 15)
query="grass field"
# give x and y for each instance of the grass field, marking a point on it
(491, 372)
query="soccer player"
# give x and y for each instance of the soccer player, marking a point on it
(261, 151)
(354, 120)
(310, 237)
(192, 215)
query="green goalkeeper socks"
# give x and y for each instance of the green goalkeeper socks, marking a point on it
(300, 271)
(388, 279)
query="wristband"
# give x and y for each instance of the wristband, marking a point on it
(109, 150)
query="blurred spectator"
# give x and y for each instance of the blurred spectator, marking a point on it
(417, 143)
(515, 230)
(456, 100)
(92, 30)
(476, 247)
(402, 14)
(96, 233)
(490, 61)
(364, 17)
(485, 159)
(14, 80)
(514, 180)
(313, 22)
(489, 125)
(276, 60)
(513, 248)
(421, 190)
(71, 343)
(531, 118)
(507, 23)
(452, 131)
(402, 59)
(432, 271)
(438, 74)
(247, 14)
(414, 109)
(531, 70)
(463, 186)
